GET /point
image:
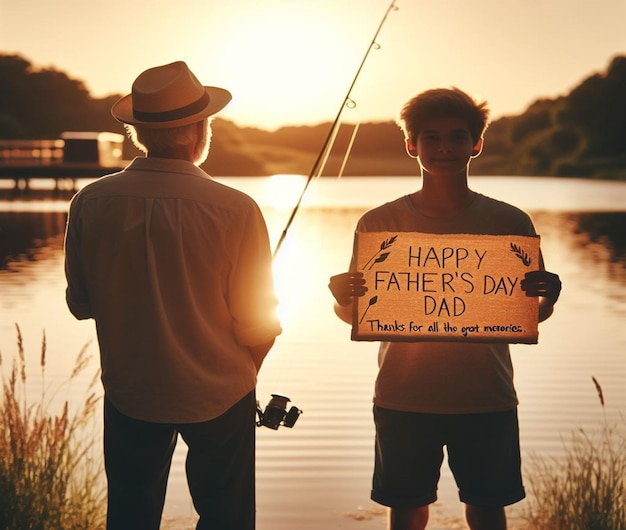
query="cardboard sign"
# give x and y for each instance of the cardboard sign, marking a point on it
(454, 287)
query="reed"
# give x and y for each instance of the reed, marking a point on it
(49, 476)
(585, 490)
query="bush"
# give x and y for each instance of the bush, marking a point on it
(49, 479)
(585, 491)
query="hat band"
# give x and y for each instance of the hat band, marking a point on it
(174, 114)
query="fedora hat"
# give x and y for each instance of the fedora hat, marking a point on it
(169, 96)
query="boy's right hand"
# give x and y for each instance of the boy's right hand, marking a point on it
(346, 286)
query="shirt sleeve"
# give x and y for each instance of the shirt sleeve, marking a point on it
(75, 293)
(252, 301)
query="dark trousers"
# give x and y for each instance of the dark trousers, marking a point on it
(220, 468)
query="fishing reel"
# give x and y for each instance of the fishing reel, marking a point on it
(275, 413)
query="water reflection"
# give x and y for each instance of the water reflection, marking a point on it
(606, 229)
(25, 235)
(329, 453)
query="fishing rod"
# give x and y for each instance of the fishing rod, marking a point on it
(332, 133)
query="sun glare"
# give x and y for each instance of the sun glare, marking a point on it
(294, 273)
(283, 191)
(281, 54)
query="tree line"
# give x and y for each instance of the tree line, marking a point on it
(581, 134)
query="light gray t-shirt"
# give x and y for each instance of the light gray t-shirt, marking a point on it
(446, 377)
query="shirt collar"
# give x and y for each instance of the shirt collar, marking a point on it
(166, 165)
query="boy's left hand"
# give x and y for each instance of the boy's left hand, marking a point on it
(542, 283)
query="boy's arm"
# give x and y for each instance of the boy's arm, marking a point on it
(344, 312)
(546, 308)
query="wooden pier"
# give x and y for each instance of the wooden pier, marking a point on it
(75, 155)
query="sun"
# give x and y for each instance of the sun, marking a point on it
(286, 62)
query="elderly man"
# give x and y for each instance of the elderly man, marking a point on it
(176, 271)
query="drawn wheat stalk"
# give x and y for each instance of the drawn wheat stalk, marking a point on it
(521, 254)
(371, 302)
(381, 256)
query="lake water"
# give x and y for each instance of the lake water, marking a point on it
(317, 475)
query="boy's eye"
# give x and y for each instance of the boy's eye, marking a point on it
(460, 137)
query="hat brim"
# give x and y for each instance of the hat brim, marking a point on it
(122, 110)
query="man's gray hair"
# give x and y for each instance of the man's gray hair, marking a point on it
(148, 139)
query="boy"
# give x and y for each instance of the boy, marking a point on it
(431, 394)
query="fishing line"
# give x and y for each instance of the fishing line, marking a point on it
(332, 133)
(349, 148)
(330, 142)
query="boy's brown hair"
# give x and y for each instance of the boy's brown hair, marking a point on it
(440, 102)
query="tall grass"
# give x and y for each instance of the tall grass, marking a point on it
(49, 477)
(586, 490)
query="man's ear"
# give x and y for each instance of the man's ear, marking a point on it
(477, 148)
(410, 148)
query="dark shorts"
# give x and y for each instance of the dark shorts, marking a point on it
(483, 455)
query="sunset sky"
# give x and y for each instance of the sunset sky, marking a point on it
(291, 62)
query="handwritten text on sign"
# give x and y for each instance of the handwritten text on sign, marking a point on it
(455, 287)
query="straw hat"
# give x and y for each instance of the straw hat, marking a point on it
(169, 96)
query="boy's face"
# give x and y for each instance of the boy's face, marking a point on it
(444, 146)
